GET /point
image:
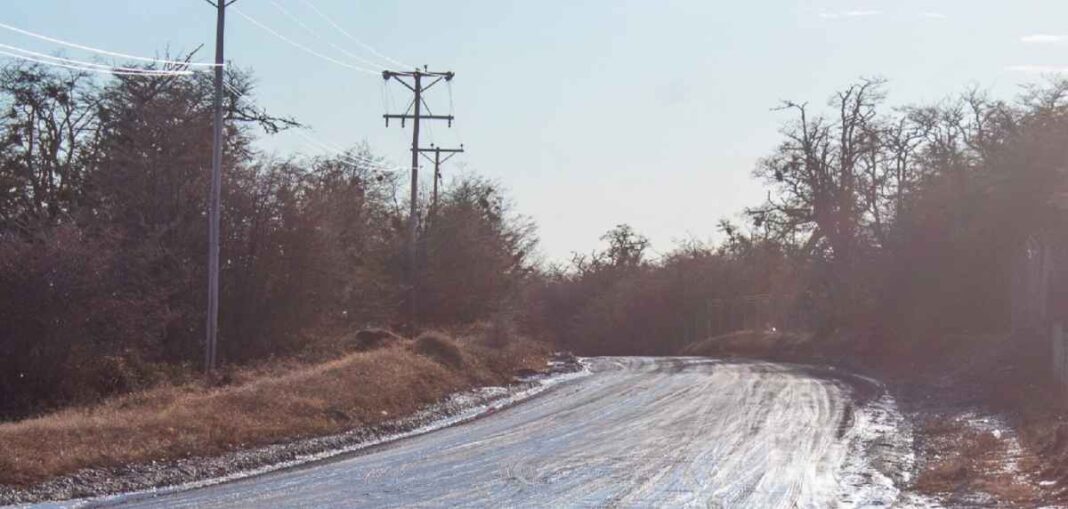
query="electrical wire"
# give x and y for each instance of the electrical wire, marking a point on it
(109, 68)
(104, 52)
(92, 69)
(458, 131)
(322, 145)
(353, 38)
(301, 46)
(308, 29)
(343, 155)
(339, 151)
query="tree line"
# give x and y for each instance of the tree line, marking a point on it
(103, 237)
(889, 225)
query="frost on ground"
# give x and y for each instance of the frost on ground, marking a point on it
(880, 461)
(880, 458)
(974, 459)
(110, 485)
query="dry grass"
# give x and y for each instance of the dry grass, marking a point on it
(751, 344)
(439, 347)
(260, 407)
(370, 339)
(966, 459)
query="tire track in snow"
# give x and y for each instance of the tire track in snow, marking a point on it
(638, 432)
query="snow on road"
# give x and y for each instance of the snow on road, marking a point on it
(638, 432)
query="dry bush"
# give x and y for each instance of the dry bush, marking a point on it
(967, 459)
(371, 339)
(440, 347)
(496, 333)
(751, 344)
(259, 407)
(71, 321)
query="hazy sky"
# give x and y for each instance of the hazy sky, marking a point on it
(590, 113)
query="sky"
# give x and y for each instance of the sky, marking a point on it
(590, 113)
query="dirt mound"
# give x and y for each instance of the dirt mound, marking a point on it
(371, 339)
(440, 347)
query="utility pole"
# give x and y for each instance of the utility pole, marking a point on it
(438, 161)
(414, 81)
(216, 190)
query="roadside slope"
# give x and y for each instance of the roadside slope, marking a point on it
(265, 407)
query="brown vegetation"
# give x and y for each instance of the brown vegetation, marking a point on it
(371, 339)
(258, 406)
(103, 239)
(969, 460)
(755, 345)
(439, 347)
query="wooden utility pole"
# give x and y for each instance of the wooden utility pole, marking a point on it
(414, 81)
(211, 341)
(438, 161)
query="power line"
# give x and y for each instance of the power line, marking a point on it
(438, 161)
(308, 29)
(354, 159)
(94, 69)
(321, 144)
(330, 147)
(413, 80)
(109, 68)
(301, 46)
(101, 51)
(313, 143)
(353, 38)
(459, 132)
(215, 196)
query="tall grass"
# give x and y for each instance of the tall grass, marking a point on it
(261, 407)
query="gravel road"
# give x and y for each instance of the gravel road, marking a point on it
(637, 432)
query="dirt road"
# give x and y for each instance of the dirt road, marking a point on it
(637, 432)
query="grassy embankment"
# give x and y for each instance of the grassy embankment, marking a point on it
(257, 406)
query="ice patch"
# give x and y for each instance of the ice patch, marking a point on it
(879, 459)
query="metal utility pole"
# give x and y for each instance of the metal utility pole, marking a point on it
(216, 190)
(414, 81)
(438, 161)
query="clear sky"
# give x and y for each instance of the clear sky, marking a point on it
(590, 112)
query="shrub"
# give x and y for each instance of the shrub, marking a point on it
(439, 347)
(73, 325)
(371, 339)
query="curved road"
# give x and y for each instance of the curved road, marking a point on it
(635, 433)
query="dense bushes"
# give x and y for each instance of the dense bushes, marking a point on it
(617, 302)
(886, 224)
(889, 226)
(75, 321)
(103, 238)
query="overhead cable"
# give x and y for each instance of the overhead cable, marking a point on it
(104, 52)
(318, 36)
(109, 68)
(301, 46)
(93, 69)
(352, 37)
